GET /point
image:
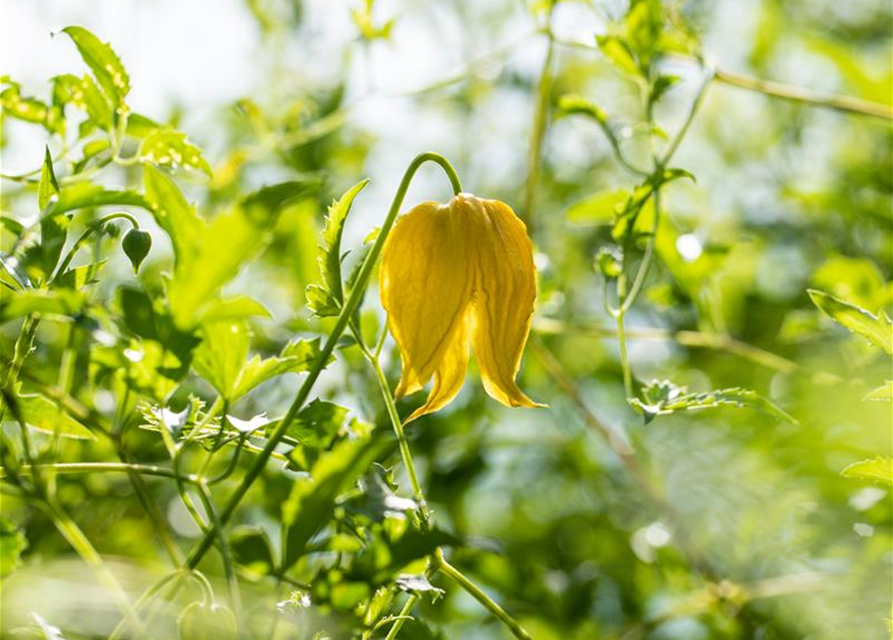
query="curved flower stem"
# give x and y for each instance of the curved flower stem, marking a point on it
(350, 306)
(86, 235)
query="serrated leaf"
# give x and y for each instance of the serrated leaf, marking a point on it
(296, 357)
(879, 469)
(79, 276)
(103, 62)
(43, 415)
(28, 109)
(325, 299)
(312, 499)
(169, 147)
(86, 95)
(876, 329)
(48, 187)
(317, 424)
(321, 302)
(662, 397)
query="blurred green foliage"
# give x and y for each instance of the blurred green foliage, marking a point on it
(712, 336)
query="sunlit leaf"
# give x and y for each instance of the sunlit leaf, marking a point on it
(44, 415)
(662, 397)
(48, 187)
(57, 302)
(79, 277)
(296, 357)
(876, 329)
(172, 211)
(325, 299)
(169, 147)
(103, 62)
(879, 469)
(884, 392)
(219, 252)
(600, 208)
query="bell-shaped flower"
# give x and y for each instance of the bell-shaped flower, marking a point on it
(452, 275)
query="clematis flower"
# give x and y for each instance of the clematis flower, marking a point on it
(453, 275)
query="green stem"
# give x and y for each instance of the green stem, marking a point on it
(438, 561)
(95, 226)
(341, 323)
(482, 597)
(100, 467)
(405, 452)
(538, 130)
(402, 617)
(807, 96)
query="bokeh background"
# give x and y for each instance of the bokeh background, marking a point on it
(731, 522)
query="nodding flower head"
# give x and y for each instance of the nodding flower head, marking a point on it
(453, 275)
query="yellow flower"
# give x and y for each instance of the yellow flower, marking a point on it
(453, 274)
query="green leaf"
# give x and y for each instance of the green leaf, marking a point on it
(221, 355)
(220, 251)
(42, 414)
(662, 397)
(296, 357)
(619, 52)
(252, 549)
(48, 186)
(883, 393)
(317, 424)
(878, 469)
(12, 544)
(578, 105)
(601, 207)
(79, 277)
(86, 194)
(169, 147)
(312, 499)
(876, 329)
(86, 95)
(103, 62)
(155, 327)
(326, 298)
(172, 211)
(234, 308)
(13, 104)
(57, 302)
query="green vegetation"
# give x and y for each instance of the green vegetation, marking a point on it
(200, 437)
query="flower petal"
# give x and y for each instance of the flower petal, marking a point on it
(426, 285)
(451, 370)
(505, 291)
